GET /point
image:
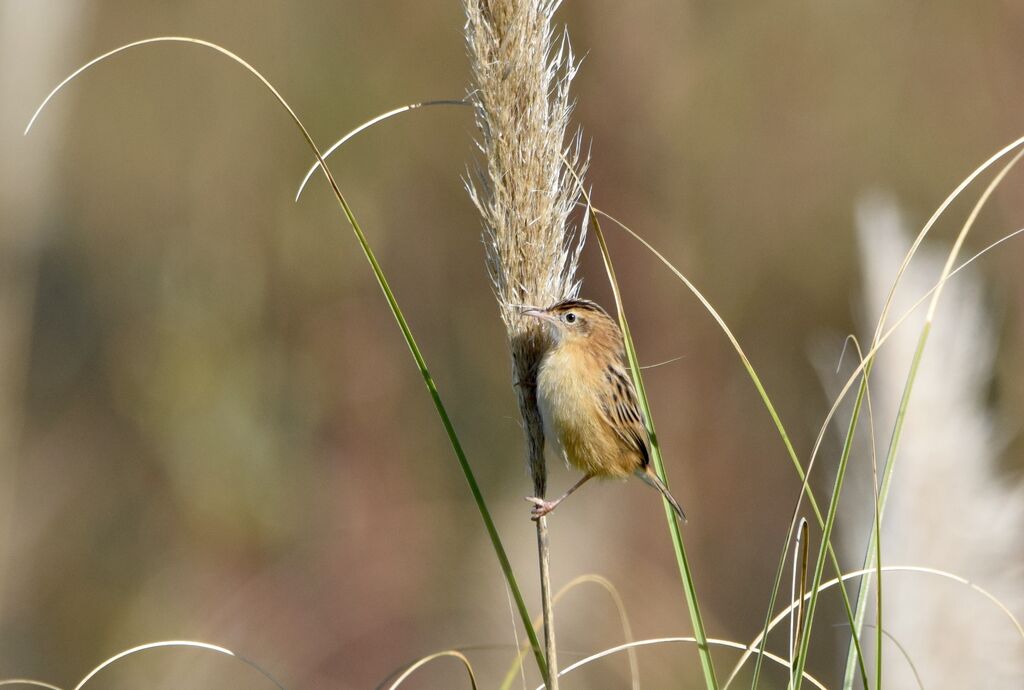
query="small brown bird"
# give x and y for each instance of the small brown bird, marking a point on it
(588, 402)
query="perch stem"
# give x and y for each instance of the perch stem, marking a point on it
(545, 594)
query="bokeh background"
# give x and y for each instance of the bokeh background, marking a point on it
(210, 427)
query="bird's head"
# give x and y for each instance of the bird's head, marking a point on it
(573, 320)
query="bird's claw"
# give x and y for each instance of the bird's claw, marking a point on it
(540, 507)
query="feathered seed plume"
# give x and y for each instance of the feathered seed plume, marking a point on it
(524, 188)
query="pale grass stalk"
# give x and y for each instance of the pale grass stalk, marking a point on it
(664, 640)
(525, 195)
(439, 655)
(144, 648)
(620, 607)
(370, 123)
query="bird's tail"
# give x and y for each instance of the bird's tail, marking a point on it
(648, 475)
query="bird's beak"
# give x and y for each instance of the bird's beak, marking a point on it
(540, 314)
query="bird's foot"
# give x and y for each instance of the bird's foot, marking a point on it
(540, 507)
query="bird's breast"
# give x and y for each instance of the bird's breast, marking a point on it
(567, 396)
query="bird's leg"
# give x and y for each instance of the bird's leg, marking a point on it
(542, 507)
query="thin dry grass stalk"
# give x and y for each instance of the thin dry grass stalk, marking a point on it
(525, 191)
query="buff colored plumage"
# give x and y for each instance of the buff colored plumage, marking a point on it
(587, 399)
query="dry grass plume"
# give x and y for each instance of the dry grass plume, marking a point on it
(523, 187)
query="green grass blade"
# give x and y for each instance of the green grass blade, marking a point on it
(872, 554)
(689, 590)
(873, 557)
(826, 536)
(864, 363)
(789, 449)
(435, 396)
(378, 273)
(467, 471)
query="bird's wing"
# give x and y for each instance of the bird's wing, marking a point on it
(622, 412)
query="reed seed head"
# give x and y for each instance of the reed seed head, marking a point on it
(524, 187)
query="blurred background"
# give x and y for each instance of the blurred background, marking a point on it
(211, 429)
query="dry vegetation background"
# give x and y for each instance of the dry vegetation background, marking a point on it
(210, 427)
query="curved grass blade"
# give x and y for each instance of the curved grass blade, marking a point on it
(901, 412)
(370, 123)
(427, 659)
(627, 630)
(707, 665)
(862, 596)
(389, 296)
(175, 643)
(663, 640)
(721, 322)
(865, 361)
(871, 353)
(867, 572)
(689, 590)
(145, 647)
(779, 427)
(876, 520)
(902, 650)
(830, 520)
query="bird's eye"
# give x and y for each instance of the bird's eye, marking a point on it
(570, 318)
